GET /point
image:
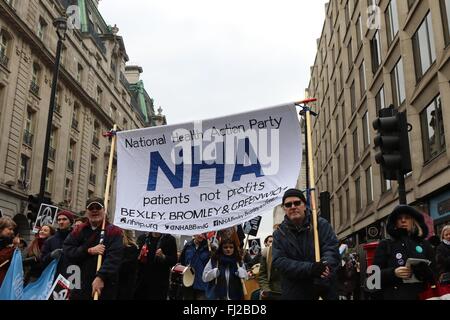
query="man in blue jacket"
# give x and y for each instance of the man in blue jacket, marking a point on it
(196, 254)
(294, 255)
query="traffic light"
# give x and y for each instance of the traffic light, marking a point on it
(393, 143)
(33, 207)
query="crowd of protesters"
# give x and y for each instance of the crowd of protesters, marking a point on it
(219, 267)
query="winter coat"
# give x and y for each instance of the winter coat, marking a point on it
(128, 273)
(53, 243)
(294, 256)
(393, 253)
(443, 258)
(197, 258)
(223, 280)
(6, 253)
(75, 248)
(153, 271)
(269, 281)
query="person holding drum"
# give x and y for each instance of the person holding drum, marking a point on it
(224, 273)
(195, 254)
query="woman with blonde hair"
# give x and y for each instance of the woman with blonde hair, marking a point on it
(128, 268)
(400, 279)
(443, 256)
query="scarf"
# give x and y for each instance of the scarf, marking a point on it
(234, 287)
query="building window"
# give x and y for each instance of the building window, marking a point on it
(35, 75)
(79, 73)
(375, 47)
(369, 185)
(24, 169)
(339, 169)
(71, 156)
(362, 79)
(93, 170)
(68, 190)
(353, 97)
(42, 28)
(76, 109)
(392, 21)
(445, 9)
(379, 100)
(96, 134)
(358, 194)
(4, 41)
(336, 126)
(341, 77)
(99, 97)
(49, 181)
(343, 118)
(398, 83)
(433, 136)
(52, 145)
(359, 32)
(366, 130)
(350, 55)
(112, 111)
(355, 146)
(341, 212)
(28, 128)
(347, 200)
(57, 107)
(345, 160)
(424, 48)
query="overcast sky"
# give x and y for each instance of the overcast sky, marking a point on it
(207, 58)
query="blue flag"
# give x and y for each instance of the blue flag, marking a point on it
(12, 287)
(40, 289)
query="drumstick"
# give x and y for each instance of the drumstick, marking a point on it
(4, 263)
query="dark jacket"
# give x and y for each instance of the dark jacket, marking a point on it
(293, 255)
(128, 273)
(269, 277)
(393, 253)
(53, 243)
(197, 258)
(443, 258)
(76, 247)
(153, 271)
(6, 253)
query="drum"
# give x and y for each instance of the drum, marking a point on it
(182, 275)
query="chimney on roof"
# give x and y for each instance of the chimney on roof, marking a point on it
(133, 73)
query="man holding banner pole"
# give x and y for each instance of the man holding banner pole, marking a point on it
(294, 254)
(82, 248)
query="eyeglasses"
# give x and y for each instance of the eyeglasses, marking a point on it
(293, 203)
(95, 207)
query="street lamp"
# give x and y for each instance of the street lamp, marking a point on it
(61, 28)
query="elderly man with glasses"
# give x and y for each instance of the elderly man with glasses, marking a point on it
(82, 247)
(293, 252)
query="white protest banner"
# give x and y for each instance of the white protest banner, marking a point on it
(46, 215)
(206, 175)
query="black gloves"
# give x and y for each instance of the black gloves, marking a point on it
(422, 272)
(317, 269)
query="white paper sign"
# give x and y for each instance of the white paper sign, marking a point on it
(207, 175)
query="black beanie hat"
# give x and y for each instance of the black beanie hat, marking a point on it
(294, 193)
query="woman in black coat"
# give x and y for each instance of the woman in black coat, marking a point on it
(408, 231)
(157, 255)
(443, 256)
